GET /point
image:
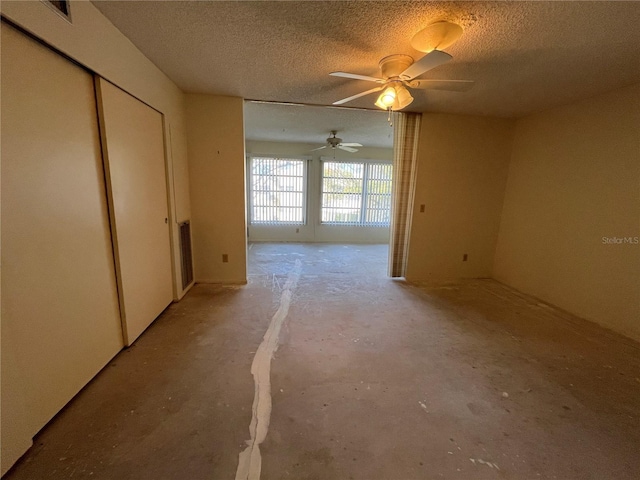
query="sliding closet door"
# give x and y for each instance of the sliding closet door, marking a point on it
(60, 318)
(133, 146)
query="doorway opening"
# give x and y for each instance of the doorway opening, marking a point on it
(318, 176)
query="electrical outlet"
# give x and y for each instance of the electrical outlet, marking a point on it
(464, 257)
(225, 258)
(422, 208)
(297, 230)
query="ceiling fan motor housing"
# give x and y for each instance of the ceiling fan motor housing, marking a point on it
(394, 65)
(334, 141)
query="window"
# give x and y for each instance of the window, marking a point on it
(277, 187)
(356, 193)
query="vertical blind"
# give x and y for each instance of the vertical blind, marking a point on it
(277, 191)
(405, 164)
(356, 193)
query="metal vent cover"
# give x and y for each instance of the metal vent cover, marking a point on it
(61, 7)
(185, 254)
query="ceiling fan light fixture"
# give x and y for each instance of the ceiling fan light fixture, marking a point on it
(394, 97)
(387, 98)
(403, 98)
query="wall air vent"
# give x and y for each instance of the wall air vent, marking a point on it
(61, 7)
(185, 254)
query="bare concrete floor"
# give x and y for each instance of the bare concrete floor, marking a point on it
(373, 379)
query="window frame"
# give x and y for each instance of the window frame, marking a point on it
(305, 189)
(364, 195)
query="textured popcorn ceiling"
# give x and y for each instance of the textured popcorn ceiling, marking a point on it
(306, 124)
(523, 56)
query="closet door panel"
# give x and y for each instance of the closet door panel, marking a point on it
(60, 316)
(133, 146)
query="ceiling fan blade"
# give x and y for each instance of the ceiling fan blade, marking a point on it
(353, 97)
(451, 85)
(319, 148)
(355, 76)
(431, 60)
(348, 149)
(348, 144)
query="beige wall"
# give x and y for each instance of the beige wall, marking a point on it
(462, 172)
(94, 42)
(215, 140)
(313, 231)
(574, 179)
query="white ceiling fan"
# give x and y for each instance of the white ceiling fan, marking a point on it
(399, 72)
(335, 142)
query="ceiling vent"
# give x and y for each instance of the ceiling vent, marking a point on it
(61, 7)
